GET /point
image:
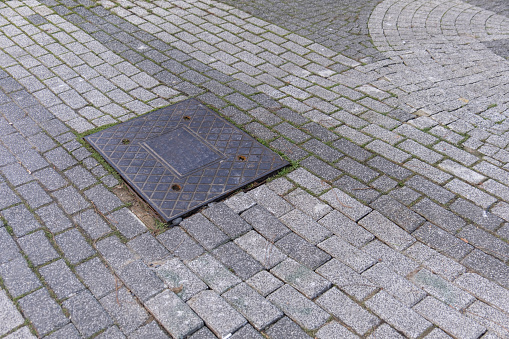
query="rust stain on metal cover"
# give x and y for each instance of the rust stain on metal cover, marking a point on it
(183, 156)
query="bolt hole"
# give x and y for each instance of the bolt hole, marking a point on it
(241, 158)
(176, 187)
(126, 141)
(187, 117)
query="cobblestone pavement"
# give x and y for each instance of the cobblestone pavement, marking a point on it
(393, 224)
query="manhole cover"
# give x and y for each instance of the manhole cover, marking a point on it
(183, 156)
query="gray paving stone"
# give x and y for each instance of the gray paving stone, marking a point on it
(461, 172)
(21, 220)
(61, 279)
(300, 309)
(389, 168)
(320, 168)
(124, 310)
(444, 266)
(207, 234)
(240, 202)
(428, 171)
(34, 195)
(142, 281)
(22, 333)
(80, 177)
(147, 246)
(398, 213)
(485, 290)
(476, 214)
(112, 332)
(220, 317)
(357, 189)
(60, 158)
(448, 319)
(397, 261)
(227, 220)
(180, 279)
(213, 273)
(126, 222)
(265, 223)
(438, 334)
(18, 278)
(99, 279)
(322, 150)
(308, 204)
(286, 328)
(345, 204)
(87, 314)
(309, 181)
(347, 254)
(471, 193)
(16, 174)
(264, 282)
(270, 200)
(238, 261)
(385, 331)
(350, 313)
(74, 246)
(442, 241)
(302, 251)
(10, 316)
(50, 178)
(334, 330)
(92, 223)
(54, 218)
(488, 266)
(441, 289)
(253, 306)
(151, 330)
(70, 200)
(438, 215)
(302, 278)
(9, 250)
(103, 200)
(44, 313)
(260, 249)
(455, 153)
(357, 170)
(485, 241)
(180, 244)
(430, 189)
(402, 318)
(116, 254)
(38, 248)
(346, 229)
(204, 333)
(305, 226)
(394, 284)
(489, 317)
(387, 231)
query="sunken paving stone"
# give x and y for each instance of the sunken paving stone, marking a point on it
(147, 246)
(345, 228)
(253, 306)
(346, 310)
(180, 244)
(217, 314)
(347, 254)
(205, 149)
(260, 249)
(270, 200)
(180, 279)
(305, 226)
(103, 200)
(308, 204)
(345, 204)
(87, 314)
(300, 309)
(302, 251)
(44, 313)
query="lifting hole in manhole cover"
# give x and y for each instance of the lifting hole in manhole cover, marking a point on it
(126, 141)
(176, 187)
(241, 158)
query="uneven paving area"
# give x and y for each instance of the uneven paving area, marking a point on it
(394, 223)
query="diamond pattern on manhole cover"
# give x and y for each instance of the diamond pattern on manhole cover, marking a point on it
(183, 156)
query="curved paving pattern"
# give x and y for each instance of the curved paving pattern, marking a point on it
(395, 224)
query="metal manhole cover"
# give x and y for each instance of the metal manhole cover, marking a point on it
(183, 156)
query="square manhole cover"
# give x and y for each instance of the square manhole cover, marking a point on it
(183, 156)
